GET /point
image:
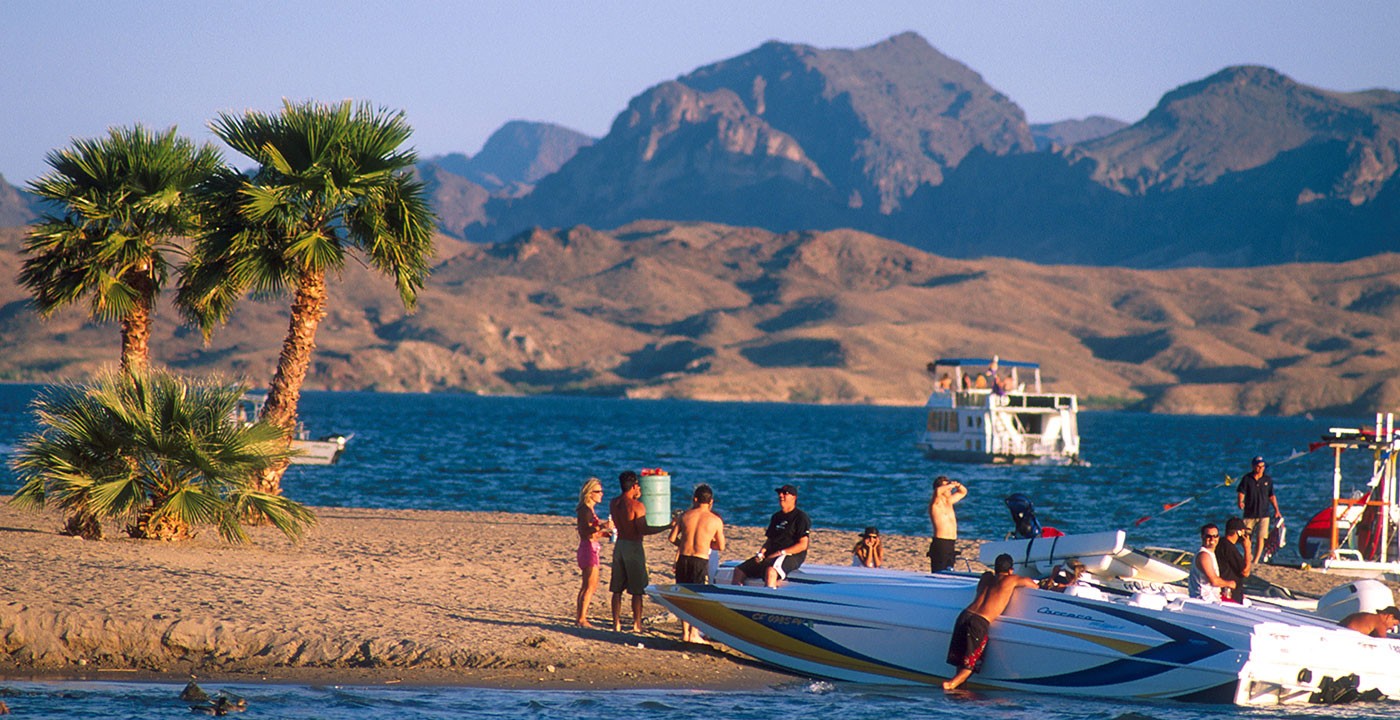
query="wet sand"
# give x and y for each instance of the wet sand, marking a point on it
(368, 597)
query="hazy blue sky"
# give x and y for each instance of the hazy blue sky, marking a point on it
(461, 69)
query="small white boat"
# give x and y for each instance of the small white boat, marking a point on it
(987, 418)
(892, 627)
(307, 451)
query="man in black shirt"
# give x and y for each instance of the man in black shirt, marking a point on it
(1256, 497)
(1232, 557)
(786, 547)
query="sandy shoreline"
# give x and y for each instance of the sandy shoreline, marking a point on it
(368, 597)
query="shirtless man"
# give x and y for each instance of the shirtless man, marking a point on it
(1377, 624)
(696, 532)
(968, 642)
(629, 562)
(943, 550)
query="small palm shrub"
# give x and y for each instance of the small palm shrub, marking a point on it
(160, 453)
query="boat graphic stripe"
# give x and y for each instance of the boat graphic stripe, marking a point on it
(789, 636)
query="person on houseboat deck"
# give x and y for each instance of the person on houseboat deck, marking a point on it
(945, 383)
(1232, 557)
(1256, 497)
(868, 551)
(943, 550)
(967, 382)
(789, 534)
(1377, 624)
(1204, 581)
(967, 644)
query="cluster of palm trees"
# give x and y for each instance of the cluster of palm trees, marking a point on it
(135, 209)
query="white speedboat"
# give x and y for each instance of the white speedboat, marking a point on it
(892, 627)
(973, 419)
(306, 450)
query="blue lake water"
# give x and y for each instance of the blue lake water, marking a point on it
(854, 466)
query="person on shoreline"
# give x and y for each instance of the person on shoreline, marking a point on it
(789, 535)
(590, 531)
(967, 645)
(868, 551)
(943, 549)
(1256, 496)
(1377, 624)
(1204, 581)
(695, 533)
(629, 561)
(1232, 557)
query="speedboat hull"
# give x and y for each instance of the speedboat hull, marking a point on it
(893, 631)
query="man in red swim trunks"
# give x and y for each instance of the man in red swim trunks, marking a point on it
(968, 642)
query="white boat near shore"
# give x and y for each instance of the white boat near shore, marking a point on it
(307, 451)
(1000, 422)
(892, 627)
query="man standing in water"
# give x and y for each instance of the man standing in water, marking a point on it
(629, 561)
(696, 532)
(968, 642)
(943, 550)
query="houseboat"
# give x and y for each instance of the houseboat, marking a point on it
(994, 411)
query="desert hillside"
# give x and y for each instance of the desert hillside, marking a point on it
(712, 312)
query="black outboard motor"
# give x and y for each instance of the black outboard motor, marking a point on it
(1023, 515)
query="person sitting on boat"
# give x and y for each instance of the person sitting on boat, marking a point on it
(868, 551)
(1376, 624)
(1232, 556)
(945, 383)
(788, 534)
(967, 644)
(1205, 581)
(1058, 579)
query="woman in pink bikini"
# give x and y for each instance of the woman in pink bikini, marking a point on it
(590, 531)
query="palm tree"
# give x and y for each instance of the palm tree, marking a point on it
(159, 452)
(118, 204)
(330, 178)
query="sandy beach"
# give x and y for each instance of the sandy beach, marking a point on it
(368, 597)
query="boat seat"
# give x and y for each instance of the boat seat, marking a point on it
(1149, 600)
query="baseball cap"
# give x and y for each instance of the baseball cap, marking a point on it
(870, 532)
(1234, 524)
(1391, 611)
(786, 490)
(1061, 575)
(1258, 460)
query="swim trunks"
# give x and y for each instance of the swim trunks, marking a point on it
(941, 554)
(629, 568)
(588, 554)
(691, 569)
(968, 641)
(753, 568)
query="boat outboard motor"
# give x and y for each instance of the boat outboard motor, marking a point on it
(1353, 597)
(1023, 515)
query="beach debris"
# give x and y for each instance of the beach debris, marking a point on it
(194, 693)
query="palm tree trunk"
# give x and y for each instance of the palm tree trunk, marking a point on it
(136, 337)
(283, 395)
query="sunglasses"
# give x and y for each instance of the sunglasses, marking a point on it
(1211, 537)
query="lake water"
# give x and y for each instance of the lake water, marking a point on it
(854, 466)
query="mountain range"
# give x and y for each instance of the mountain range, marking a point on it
(714, 312)
(802, 224)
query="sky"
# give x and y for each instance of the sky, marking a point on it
(459, 70)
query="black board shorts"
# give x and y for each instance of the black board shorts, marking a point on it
(942, 553)
(692, 570)
(753, 568)
(968, 642)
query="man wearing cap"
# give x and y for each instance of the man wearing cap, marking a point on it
(1256, 497)
(786, 547)
(1376, 624)
(1232, 556)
